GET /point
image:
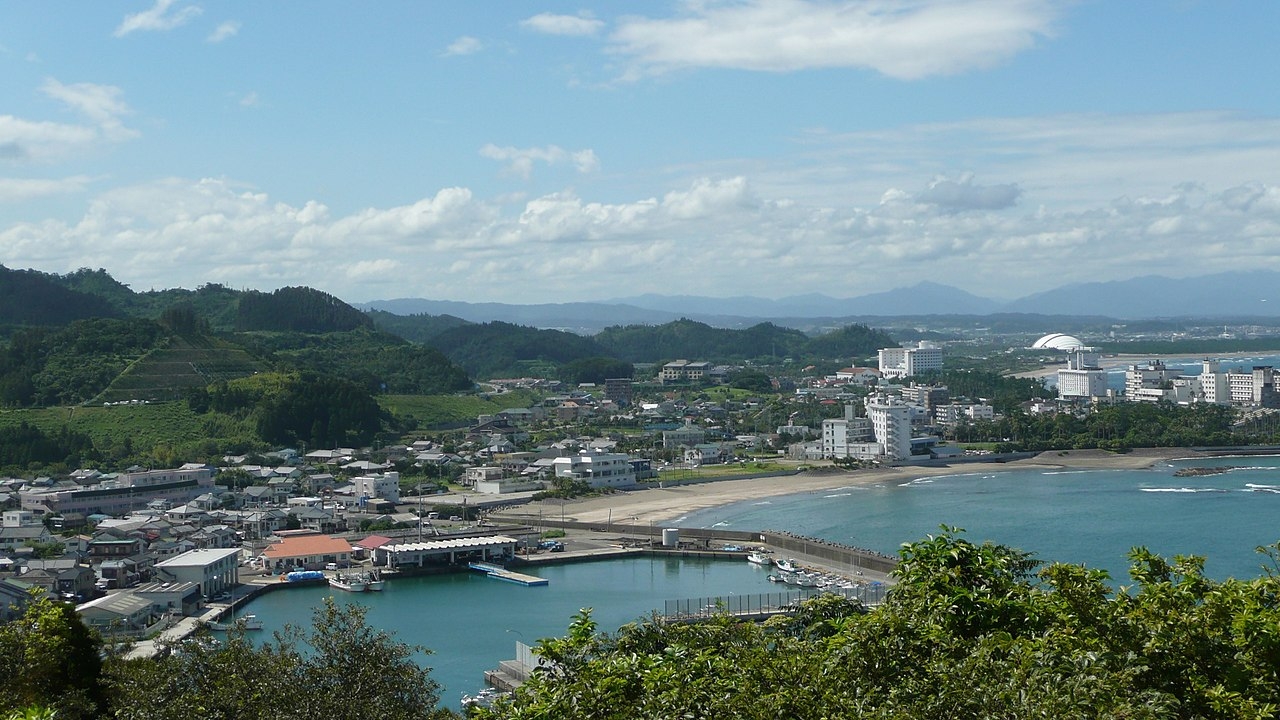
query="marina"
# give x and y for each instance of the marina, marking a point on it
(498, 572)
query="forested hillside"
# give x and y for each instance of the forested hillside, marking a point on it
(497, 348)
(419, 328)
(29, 298)
(297, 309)
(695, 340)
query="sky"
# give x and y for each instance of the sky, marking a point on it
(536, 152)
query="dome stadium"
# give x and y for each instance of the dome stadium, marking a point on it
(1058, 341)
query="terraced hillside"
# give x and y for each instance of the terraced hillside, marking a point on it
(164, 373)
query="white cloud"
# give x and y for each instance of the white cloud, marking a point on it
(225, 30)
(904, 40)
(38, 141)
(520, 161)
(465, 45)
(249, 99)
(999, 214)
(158, 17)
(573, 25)
(14, 190)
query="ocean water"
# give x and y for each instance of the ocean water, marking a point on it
(471, 622)
(1090, 517)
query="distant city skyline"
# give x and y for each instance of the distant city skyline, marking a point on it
(539, 152)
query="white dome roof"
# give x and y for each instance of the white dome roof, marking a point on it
(1057, 341)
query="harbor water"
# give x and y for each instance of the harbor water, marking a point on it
(1091, 517)
(472, 622)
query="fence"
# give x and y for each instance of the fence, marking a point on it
(764, 604)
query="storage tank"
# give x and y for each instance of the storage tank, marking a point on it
(671, 537)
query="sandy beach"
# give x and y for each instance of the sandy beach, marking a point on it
(658, 506)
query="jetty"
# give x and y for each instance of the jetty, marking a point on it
(500, 573)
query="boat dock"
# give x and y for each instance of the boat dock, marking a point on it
(500, 573)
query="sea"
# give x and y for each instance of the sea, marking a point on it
(1091, 517)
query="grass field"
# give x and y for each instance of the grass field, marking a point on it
(170, 426)
(441, 412)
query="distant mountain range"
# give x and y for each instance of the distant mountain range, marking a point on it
(1223, 295)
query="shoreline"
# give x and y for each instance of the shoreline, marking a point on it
(669, 504)
(1111, 362)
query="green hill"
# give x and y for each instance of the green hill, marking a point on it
(495, 349)
(29, 297)
(165, 373)
(297, 309)
(690, 339)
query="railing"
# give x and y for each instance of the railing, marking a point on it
(765, 604)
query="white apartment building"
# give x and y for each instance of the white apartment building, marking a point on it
(600, 469)
(214, 569)
(1152, 382)
(385, 486)
(125, 493)
(957, 413)
(909, 361)
(891, 422)
(1083, 377)
(849, 436)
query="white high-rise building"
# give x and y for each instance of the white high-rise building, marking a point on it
(598, 468)
(1082, 377)
(910, 361)
(848, 436)
(891, 422)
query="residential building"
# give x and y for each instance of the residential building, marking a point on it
(599, 469)
(849, 436)
(891, 422)
(311, 552)
(1152, 382)
(910, 361)
(684, 371)
(385, 486)
(619, 390)
(1083, 377)
(686, 436)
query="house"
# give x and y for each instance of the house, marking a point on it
(12, 538)
(64, 577)
(312, 552)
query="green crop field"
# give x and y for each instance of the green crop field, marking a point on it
(164, 373)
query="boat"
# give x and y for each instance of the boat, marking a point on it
(248, 622)
(776, 578)
(787, 564)
(376, 582)
(350, 583)
(485, 698)
(755, 557)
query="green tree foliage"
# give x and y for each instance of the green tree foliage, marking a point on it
(182, 319)
(297, 309)
(321, 411)
(56, 366)
(969, 631)
(49, 659)
(595, 370)
(24, 445)
(1111, 427)
(380, 362)
(418, 328)
(30, 297)
(691, 339)
(752, 380)
(342, 669)
(497, 348)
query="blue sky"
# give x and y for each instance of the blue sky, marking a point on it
(551, 152)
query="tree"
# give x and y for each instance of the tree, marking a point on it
(50, 659)
(341, 669)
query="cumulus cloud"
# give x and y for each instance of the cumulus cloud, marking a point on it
(465, 45)
(904, 40)
(520, 161)
(164, 15)
(962, 194)
(225, 30)
(552, 24)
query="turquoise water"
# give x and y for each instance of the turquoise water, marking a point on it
(1092, 517)
(1089, 517)
(471, 622)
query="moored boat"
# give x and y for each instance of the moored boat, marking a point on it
(755, 557)
(786, 564)
(248, 622)
(350, 583)
(375, 581)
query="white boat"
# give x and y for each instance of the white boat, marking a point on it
(755, 557)
(249, 622)
(787, 564)
(485, 698)
(350, 583)
(375, 580)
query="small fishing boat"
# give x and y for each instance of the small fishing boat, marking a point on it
(755, 557)
(787, 564)
(350, 583)
(248, 622)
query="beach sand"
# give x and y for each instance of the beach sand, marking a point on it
(659, 506)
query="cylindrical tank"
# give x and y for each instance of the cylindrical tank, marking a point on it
(671, 537)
